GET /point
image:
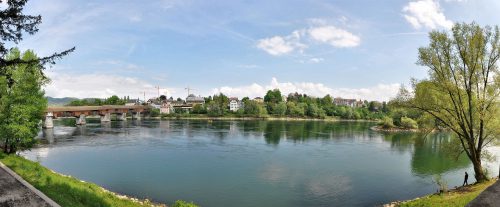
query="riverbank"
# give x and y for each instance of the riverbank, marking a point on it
(268, 118)
(68, 191)
(393, 129)
(459, 196)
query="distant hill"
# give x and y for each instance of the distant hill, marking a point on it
(59, 101)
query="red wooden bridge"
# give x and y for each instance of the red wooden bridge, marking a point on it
(81, 112)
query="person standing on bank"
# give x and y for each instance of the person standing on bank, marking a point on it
(465, 179)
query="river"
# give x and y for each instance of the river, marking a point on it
(253, 163)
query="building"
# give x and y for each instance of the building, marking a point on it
(193, 100)
(258, 100)
(346, 102)
(166, 108)
(234, 104)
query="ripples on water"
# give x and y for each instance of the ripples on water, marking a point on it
(252, 163)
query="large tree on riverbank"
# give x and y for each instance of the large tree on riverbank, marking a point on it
(22, 105)
(463, 88)
(18, 73)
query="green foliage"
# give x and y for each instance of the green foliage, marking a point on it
(154, 112)
(278, 109)
(254, 109)
(273, 96)
(408, 123)
(386, 123)
(183, 204)
(295, 110)
(374, 106)
(463, 88)
(314, 111)
(22, 105)
(218, 106)
(199, 109)
(113, 100)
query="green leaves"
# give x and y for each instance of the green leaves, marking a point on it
(463, 90)
(22, 105)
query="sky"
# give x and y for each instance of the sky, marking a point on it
(363, 49)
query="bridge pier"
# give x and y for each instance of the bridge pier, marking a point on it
(136, 115)
(81, 120)
(106, 117)
(122, 116)
(48, 123)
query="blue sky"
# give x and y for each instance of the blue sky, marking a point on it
(354, 49)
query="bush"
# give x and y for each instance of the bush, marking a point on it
(386, 123)
(408, 123)
(183, 204)
(154, 113)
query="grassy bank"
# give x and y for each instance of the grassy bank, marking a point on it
(456, 197)
(68, 191)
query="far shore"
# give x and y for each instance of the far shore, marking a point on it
(327, 119)
(233, 118)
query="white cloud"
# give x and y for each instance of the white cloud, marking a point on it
(95, 85)
(381, 92)
(279, 45)
(275, 45)
(300, 39)
(334, 36)
(316, 60)
(426, 13)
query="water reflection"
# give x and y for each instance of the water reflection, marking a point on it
(307, 163)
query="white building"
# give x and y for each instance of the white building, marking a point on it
(347, 102)
(234, 104)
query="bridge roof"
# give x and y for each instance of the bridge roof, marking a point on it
(92, 108)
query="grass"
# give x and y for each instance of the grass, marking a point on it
(457, 197)
(68, 191)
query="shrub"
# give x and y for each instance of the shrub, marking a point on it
(183, 204)
(408, 123)
(154, 113)
(386, 123)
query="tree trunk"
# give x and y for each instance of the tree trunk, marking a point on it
(12, 149)
(478, 170)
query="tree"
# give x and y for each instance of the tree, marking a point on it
(219, 105)
(253, 108)
(279, 109)
(22, 105)
(463, 88)
(199, 109)
(273, 96)
(13, 25)
(163, 98)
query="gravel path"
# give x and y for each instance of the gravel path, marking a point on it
(14, 191)
(489, 197)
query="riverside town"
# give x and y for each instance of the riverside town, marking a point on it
(188, 103)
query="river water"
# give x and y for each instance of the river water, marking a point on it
(253, 163)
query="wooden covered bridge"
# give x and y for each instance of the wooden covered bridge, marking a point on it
(81, 112)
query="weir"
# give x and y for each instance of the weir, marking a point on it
(106, 117)
(136, 116)
(81, 120)
(122, 117)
